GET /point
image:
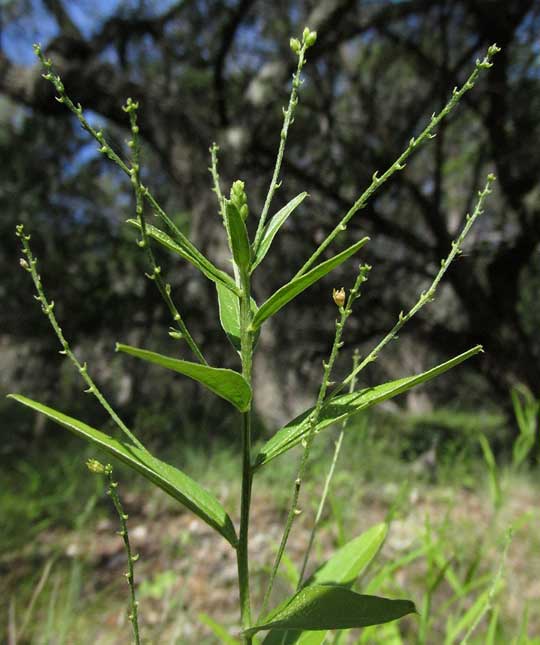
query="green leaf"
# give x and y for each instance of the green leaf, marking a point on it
(241, 248)
(170, 479)
(455, 626)
(290, 290)
(342, 568)
(218, 630)
(229, 314)
(344, 406)
(491, 635)
(351, 560)
(320, 607)
(273, 227)
(226, 383)
(197, 259)
(494, 483)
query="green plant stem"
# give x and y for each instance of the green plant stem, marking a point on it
(214, 149)
(130, 575)
(164, 288)
(294, 511)
(106, 149)
(399, 164)
(246, 351)
(327, 482)
(425, 296)
(221, 202)
(30, 264)
(288, 118)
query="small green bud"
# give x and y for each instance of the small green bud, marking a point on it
(239, 198)
(95, 466)
(309, 37)
(312, 39)
(295, 45)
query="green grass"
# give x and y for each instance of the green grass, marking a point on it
(56, 524)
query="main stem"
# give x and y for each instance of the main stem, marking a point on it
(246, 351)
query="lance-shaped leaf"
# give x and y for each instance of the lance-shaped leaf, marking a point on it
(342, 568)
(320, 607)
(228, 384)
(344, 406)
(170, 479)
(229, 314)
(241, 248)
(197, 259)
(290, 290)
(352, 559)
(273, 227)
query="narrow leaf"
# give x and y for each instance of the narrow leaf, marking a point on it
(273, 227)
(229, 314)
(290, 290)
(491, 635)
(344, 406)
(198, 260)
(241, 248)
(475, 611)
(170, 479)
(226, 383)
(320, 607)
(351, 560)
(342, 568)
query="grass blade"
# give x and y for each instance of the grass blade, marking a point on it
(218, 630)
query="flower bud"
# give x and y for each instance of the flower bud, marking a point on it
(95, 466)
(239, 198)
(295, 45)
(339, 296)
(309, 37)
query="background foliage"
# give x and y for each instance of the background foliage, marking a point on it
(206, 71)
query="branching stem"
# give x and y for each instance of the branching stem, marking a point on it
(163, 287)
(327, 482)
(399, 164)
(294, 511)
(425, 296)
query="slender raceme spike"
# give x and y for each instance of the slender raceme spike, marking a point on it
(310, 435)
(66, 349)
(131, 108)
